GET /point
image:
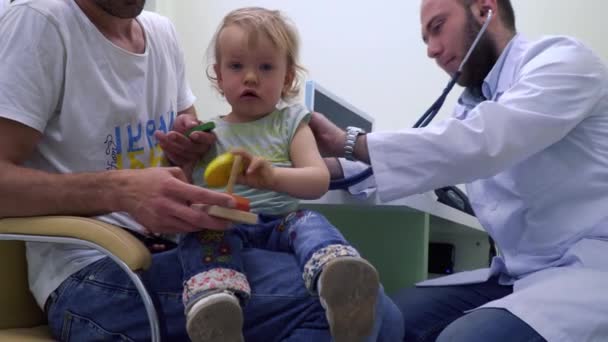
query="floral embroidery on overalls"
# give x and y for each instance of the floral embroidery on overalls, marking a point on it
(224, 253)
(207, 254)
(210, 236)
(291, 219)
(214, 247)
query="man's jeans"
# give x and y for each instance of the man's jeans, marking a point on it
(100, 303)
(438, 314)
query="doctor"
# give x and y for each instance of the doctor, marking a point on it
(529, 136)
(3, 5)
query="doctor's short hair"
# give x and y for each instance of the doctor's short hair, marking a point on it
(507, 14)
(273, 25)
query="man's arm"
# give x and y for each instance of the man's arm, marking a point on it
(191, 112)
(331, 139)
(27, 192)
(158, 198)
(361, 153)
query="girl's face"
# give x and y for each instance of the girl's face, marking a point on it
(251, 76)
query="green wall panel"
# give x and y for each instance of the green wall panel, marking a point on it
(393, 239)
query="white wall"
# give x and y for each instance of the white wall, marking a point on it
(368, 52)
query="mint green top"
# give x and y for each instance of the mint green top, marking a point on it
(269, 137)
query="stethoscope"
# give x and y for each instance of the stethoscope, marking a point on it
(424, 120)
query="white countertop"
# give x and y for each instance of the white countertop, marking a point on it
(424, 202)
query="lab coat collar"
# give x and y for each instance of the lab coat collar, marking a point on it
(499, 78)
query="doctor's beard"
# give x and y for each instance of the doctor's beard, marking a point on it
(482, 59)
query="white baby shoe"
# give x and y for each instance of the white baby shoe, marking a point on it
(215, 318)
(348, 289)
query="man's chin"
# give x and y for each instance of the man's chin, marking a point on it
(462, 82)
(468, 81)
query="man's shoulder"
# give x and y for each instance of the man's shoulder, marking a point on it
(156, 22)
(558, 52)
(42, 20)
(153, 18)
(57, 9)
(553, 41)
(561, 47)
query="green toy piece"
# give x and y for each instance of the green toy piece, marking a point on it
(206, 127)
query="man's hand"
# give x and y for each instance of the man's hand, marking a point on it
(181, 150)
(160, 199)
(259, 172)
(330, 138)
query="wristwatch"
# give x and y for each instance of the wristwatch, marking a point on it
(351, 138)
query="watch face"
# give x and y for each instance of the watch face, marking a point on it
(354, 130)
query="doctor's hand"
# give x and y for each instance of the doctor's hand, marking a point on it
(182, 150)
(330, 138)
(258, 172)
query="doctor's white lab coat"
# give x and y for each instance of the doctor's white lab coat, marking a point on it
(3, 5)
(534, 153)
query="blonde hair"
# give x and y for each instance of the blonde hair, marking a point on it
(276, 27)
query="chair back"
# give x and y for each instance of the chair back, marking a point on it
(18, 309)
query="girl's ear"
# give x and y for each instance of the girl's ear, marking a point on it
(218, 78)
(218, 73)
(289, 78)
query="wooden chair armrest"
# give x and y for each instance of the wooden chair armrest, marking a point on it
(115, 239)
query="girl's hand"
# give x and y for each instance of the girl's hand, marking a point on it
(259, 172)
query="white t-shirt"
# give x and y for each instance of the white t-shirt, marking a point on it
(96, 104)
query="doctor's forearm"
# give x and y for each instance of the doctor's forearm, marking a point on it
(361, 151)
